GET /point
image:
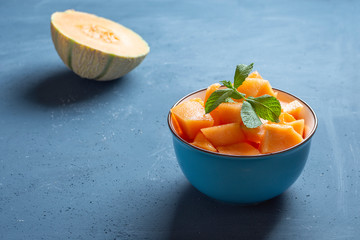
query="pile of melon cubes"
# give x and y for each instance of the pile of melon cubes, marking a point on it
(223, 131)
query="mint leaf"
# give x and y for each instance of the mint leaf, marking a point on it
(227, 84)
(266, 107)
(216, 98)
(241, 73)
(249, 116)
(229, 100)
(237, 95)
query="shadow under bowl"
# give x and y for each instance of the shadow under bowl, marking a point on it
(244, 179)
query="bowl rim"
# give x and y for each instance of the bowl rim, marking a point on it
(312, 132)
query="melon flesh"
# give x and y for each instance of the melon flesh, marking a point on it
(255, 74)
(224, 134)
(212, 88)
(253, 134)
(191, 117)
(95, 47)
(278, 137)
(297, 125)
(202, 142)
(242, 148)
(227, 113)
(286, 117)
(256, 87)
(294, 108)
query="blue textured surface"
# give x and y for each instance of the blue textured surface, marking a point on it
(87, 160)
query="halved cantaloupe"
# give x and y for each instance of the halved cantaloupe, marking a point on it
(95, 47)
(191, 117)
(256, 87)
(226, 134)
(242, 148)
(278, 137)
(294, 108)
(202, 142)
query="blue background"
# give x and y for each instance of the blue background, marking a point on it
(91, 160)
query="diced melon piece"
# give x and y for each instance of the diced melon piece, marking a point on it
(283, 105)
(176, 126)
(253, 134)
(242, 148)
(215, 114)
(227, 113)
(202, 142)
(224, 134)
(212, 88)
(286, 117)
(256, 87)
(294, 108)
(255, 74)
(191, 117)
(298, 125)
(278, 137)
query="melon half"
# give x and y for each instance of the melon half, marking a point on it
(94, 47)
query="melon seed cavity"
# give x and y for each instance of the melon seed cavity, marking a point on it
(99, 32)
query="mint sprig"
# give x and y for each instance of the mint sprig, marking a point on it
(265, 107)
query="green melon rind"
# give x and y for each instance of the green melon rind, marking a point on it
(91, 63)
(106, 68)
(71, 44)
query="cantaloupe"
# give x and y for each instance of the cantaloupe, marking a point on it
(226, 134)
(227, 113)
(278, 137)
(176, 126)
(286, 117)
(191, 117)
(242, 148)
(294, 108)
(202, 142)
(256, 87)
(253, 134)
(94, 47)
(255, 74)
(212, 88)
(298, 126)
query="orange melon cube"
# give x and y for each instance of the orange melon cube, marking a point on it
(294, 108)
(226, 134)
(176, 126)
(253, 134)
(227, 113)
(286, 117)
(191, 117)
(255, 74)
(215, 114)
(202, 142)
(278, 137)
(212, 88)
(242, 148)
(298, 126)
(256, 87)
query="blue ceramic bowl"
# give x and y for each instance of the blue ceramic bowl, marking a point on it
(244, 179)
